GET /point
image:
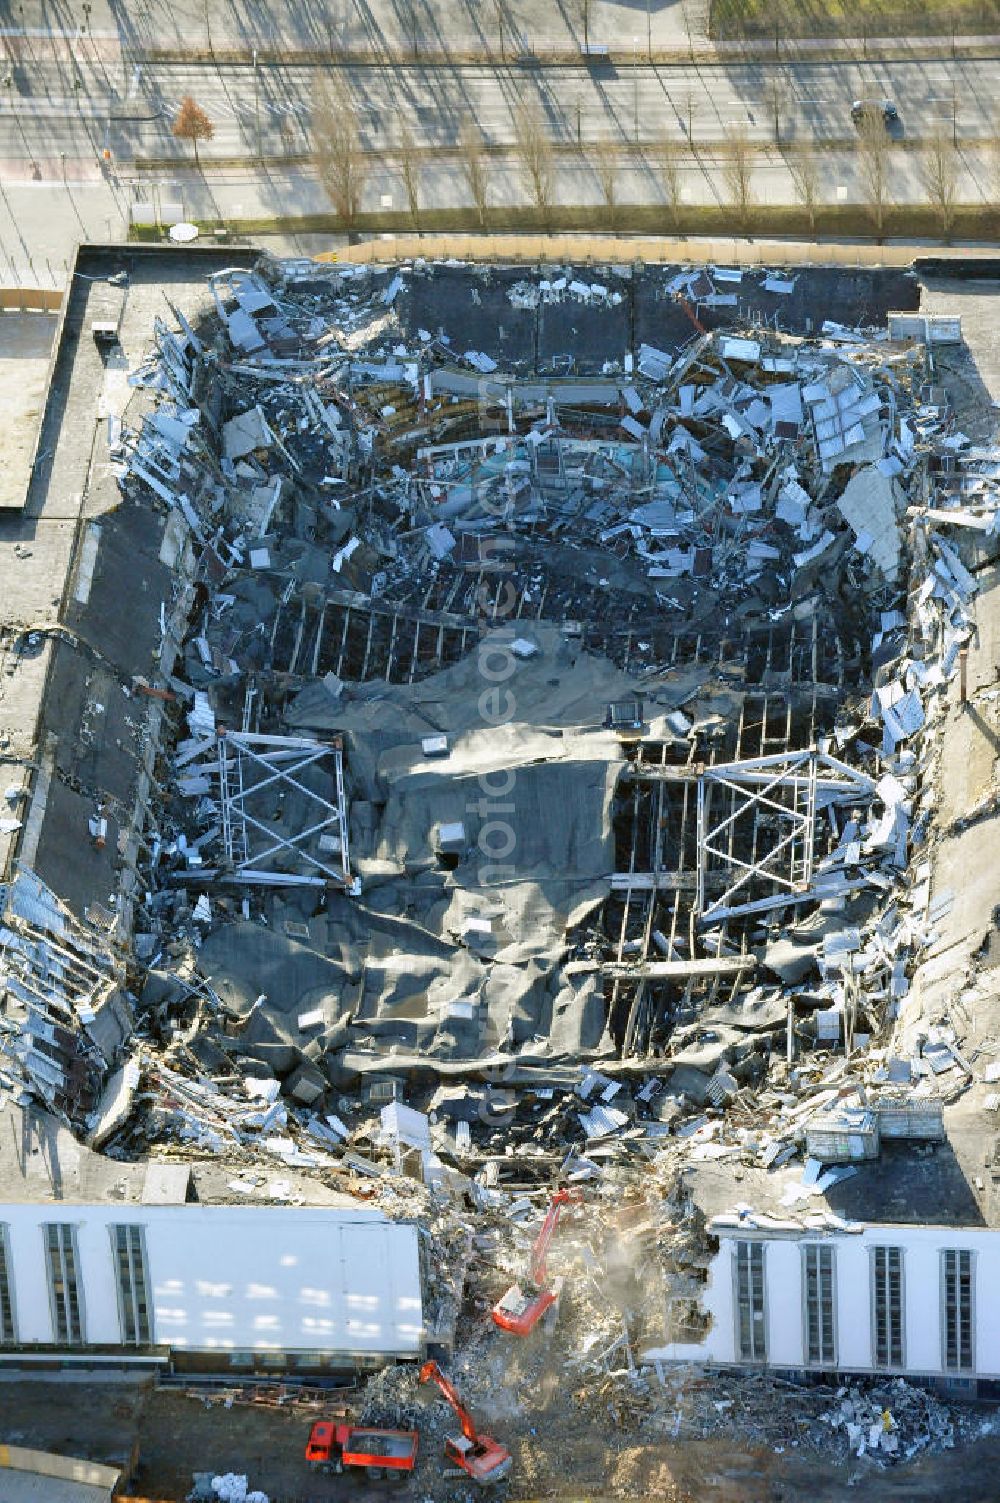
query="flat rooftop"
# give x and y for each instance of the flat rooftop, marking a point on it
(41, 1163)
(45, 514)
(909, 1184)
(26, 341)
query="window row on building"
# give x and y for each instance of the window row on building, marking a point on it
(62, 1264)
(888, 1305)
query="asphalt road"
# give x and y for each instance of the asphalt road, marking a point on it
(80, 106)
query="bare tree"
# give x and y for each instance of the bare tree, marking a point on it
(803, 163)
(937, 168)
(606, 167)
(339, 159)
(192, 124)
(776, 97)
(535, 149)
(874, 142)
(409, 171)
(472, 157)
(667, 156)
(286, 131)
(737, 172)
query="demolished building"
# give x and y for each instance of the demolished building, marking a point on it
(516, 764)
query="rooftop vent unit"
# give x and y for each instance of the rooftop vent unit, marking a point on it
(624, 715)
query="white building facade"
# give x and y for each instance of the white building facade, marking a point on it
(921, 1301)
(216, 1288)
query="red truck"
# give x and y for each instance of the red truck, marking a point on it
(334, 1447)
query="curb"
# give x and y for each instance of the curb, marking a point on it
(851, 50)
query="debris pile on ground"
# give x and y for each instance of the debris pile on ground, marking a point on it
(888, 1421)
(895, 1421)
(234, 1488)
(228, 1487)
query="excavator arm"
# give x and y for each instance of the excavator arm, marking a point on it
(540, 1250)
(481, 1457)
(521, 1308)
(431, 1373)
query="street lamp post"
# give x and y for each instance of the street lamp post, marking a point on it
(635, 87)
(954, 115)
(256, 104)
(649, 30)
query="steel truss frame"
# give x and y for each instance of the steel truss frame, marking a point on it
(785, 791)
(249, 765)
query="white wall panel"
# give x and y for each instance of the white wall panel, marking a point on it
(922, 1247)
(247, 1278)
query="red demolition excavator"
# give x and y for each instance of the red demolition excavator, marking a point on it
(480, 1457)
(523, 1306)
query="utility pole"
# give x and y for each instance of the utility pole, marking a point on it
(256, 105)
(954, 116)
(635, 86)
(649, 30)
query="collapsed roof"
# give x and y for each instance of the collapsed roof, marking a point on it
(524, 711)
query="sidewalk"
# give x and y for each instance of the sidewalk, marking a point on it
(42, 221)
(47, 217)
(380, 27)
(459, 32)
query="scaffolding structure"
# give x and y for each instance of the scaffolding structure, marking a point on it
(253, 772)
(765, 836)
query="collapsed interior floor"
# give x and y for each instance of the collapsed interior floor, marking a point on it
(454, 521)
(719, 550)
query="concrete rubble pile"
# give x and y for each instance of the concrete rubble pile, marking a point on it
(227, 1487)
(693, 614)
(881, 1425)
(751, 479)
(909, 1420)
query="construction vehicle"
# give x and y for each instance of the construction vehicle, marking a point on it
(334, 1447)
(483, 1459)
(692, 315)
(523, 1306)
